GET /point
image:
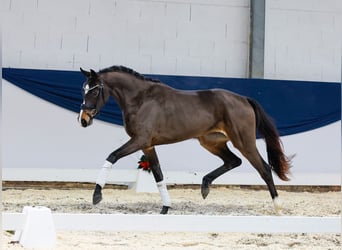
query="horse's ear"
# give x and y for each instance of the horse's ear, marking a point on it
(93, 74)
(85, 73)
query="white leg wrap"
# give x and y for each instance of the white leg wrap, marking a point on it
(104, 172)
(164, 194)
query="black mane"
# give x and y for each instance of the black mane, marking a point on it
(128, 71)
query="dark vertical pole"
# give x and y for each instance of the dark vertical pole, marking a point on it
(257, 39)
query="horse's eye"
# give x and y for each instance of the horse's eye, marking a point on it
(95, 92)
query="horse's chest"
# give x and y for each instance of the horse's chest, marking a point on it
(130, 124)
(137, 123)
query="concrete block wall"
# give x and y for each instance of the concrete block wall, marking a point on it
(182, 37)
(303, 40)
(192, 37)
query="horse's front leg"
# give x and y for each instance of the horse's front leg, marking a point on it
(152, 157)
(129, 147)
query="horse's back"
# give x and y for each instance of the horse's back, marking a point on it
(175, 115)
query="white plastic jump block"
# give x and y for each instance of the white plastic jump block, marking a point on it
(145, 183)
(38, 230)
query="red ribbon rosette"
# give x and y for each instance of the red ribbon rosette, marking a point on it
(144, 164)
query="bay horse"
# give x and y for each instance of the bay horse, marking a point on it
(155, 113)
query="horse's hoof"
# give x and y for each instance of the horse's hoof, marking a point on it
(205, 191)
(205, 188)
(97, 196)
(164, 210)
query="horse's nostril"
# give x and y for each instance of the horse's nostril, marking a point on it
(84, 123)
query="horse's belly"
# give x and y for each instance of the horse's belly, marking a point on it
(180, 132)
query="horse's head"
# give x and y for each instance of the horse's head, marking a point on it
(94, 97)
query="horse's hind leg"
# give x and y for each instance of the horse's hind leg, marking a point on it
(265, 171)
(152, 157)
(216, 144)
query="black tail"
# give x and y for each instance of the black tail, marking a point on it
(279, 162)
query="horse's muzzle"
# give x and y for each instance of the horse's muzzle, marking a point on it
(84, 119)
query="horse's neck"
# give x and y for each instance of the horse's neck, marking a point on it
(124, 87)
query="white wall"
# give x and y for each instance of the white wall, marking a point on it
(303, 40)
(197, 37)
(190, 37)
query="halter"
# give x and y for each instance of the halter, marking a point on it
(86, 89)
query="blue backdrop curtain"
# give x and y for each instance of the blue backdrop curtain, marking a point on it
(295, 106)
